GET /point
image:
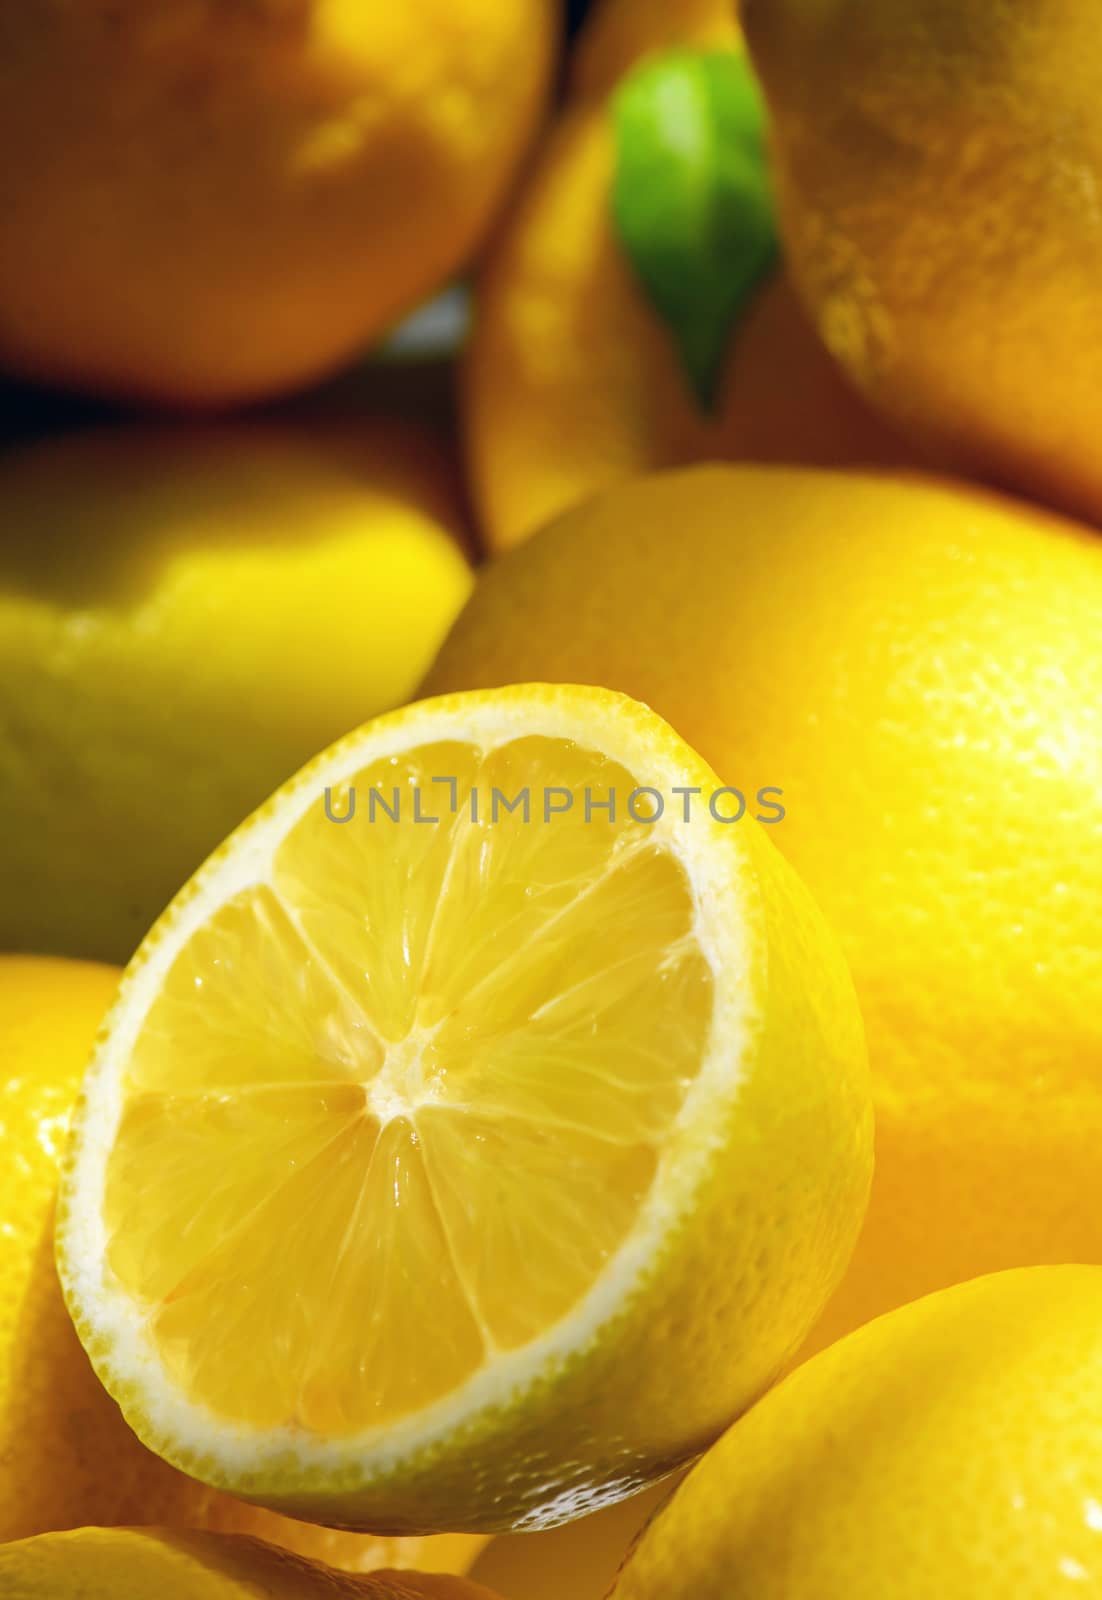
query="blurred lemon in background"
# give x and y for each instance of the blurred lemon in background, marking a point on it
(939, 168)
(66, 1456)
(916, 665)
(951, 1448)
(185, 617)
(632, 312)
(206, 204)
(135, 1564)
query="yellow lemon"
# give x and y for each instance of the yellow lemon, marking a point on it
(468, 1173)
(258, 192)
(951, 1448)
(66, 1456)
(135, 1564)
(184, 618)
(916, 666)
(589, 362)
(938, 167)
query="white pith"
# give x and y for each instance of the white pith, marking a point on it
(122, 1349)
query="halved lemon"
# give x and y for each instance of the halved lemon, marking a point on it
(470, 1161)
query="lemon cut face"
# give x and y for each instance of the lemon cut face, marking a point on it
(454, 1128)
(402, 1102)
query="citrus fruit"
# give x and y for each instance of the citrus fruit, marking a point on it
(916, 666)
(950, 1448)
(185, 617)
(937, 166)
(135, 1564)
(261, 193)
(618, 34)
(66, 1456)
(577, 373)
(468, 1175)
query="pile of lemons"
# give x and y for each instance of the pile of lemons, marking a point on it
(622, 1120)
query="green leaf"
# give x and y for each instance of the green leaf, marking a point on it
(692, 202)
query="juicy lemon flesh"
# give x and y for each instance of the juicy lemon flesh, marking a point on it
(396, 1108)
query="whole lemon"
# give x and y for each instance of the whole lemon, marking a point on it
(66, 1456)
(184, 619)
(939, 163)
(950, 1449)
(135, 1564)
(575, 377)
(207, 203)
(915, 666)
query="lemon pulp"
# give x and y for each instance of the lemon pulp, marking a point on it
(395, 1108)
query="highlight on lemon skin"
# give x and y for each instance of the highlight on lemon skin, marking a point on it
(171, 1564)
(579, 1559)
(468, 1175)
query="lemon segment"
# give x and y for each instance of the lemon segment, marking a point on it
(406, 1123)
